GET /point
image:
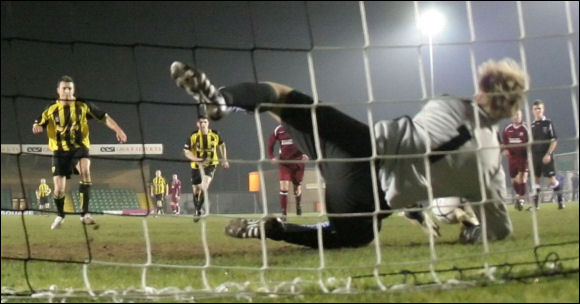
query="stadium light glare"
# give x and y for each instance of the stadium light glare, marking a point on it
(431, 22)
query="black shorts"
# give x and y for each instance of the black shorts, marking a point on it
(196, 174)
(44, 200)
(64, 162)
(541, 169)
(348, 183)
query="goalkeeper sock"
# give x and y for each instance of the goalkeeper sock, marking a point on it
(59, 202)
(249, 95)
(84, 191)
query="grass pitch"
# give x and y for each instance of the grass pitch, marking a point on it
(167, 259)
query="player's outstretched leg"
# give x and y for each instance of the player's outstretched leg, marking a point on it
(196, 84)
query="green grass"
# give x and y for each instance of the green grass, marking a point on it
(177, 258)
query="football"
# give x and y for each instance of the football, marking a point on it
(444, 209)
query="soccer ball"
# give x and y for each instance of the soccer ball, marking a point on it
(444, 209)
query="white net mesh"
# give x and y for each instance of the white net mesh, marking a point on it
(134, 258)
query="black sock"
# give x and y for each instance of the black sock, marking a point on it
(201, 200)
(198, 201)
(249, 95)
(59, 202)
(85, 193)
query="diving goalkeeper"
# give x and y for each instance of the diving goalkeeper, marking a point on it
(468, 129)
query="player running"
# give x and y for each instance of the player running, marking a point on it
(288, 171)
(515, 135)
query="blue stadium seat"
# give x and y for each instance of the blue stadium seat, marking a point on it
(6, 199)
(109, 199)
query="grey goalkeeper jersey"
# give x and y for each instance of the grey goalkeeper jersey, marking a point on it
(443, 141)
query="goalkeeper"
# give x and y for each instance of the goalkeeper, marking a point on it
(443, 125)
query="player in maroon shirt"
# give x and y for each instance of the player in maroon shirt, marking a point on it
(288, 171)
(175, 192)
(516, 135)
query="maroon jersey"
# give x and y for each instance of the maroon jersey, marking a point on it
(516, 134)
(175, 189)
(288, 151)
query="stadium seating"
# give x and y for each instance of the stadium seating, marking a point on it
(33, 202)
(108, 200)
(6, 199)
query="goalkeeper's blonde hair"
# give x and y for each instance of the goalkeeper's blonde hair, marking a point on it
(504, 84)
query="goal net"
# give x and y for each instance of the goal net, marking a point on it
(367, 59)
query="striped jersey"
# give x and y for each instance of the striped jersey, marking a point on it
(43, 190)
(287, 151)
(204, 146)
(159, 185)
(444, 136)
(515, 134)
(67, 125)
(542, 130)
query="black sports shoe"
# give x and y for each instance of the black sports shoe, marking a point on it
(470, 235)
(245, 228)
(197, 216)
(197, 84)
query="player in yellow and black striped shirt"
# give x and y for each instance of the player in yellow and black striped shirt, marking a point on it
(42, 194)
(66, 123)
(201, 149)
(159, 191)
